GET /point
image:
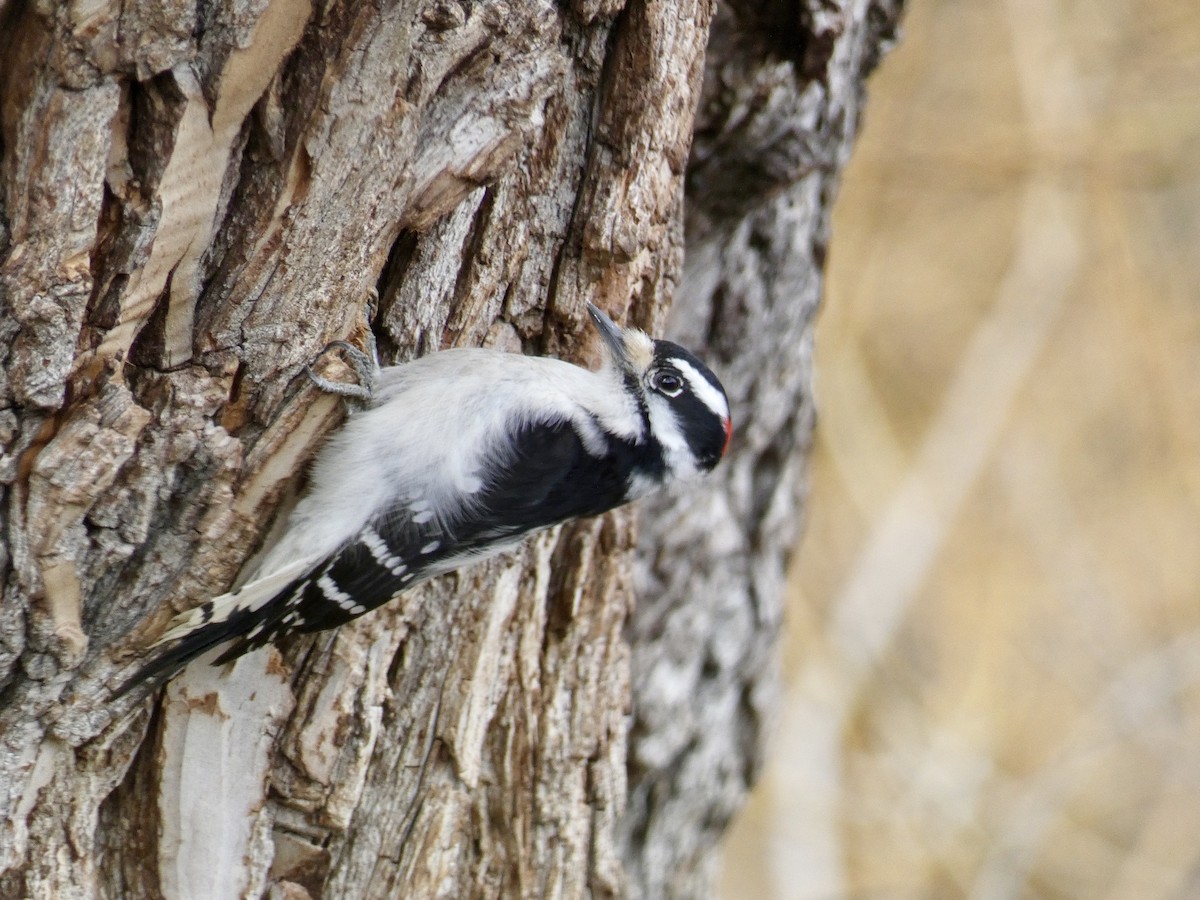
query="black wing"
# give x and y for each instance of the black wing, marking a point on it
(547, 478)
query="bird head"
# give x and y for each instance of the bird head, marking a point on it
(686, 406)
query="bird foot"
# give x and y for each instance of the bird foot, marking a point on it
(365, 365)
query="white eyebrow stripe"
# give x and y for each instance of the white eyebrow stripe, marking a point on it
(702, 388)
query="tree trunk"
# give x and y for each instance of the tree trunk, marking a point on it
(782, 98)
(195, 200)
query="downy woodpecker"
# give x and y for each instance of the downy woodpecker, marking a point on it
(458, 456)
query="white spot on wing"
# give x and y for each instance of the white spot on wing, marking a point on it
(422, 511)
(340, 597)
(430, 547)
(383, 555)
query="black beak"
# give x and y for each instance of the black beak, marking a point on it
(613, 336)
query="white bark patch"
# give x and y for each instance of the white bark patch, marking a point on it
(42, 769)
(466, 733)
(318, 751)
(353, 692)
(219, 726)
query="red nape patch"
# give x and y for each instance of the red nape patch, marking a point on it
(728, 436)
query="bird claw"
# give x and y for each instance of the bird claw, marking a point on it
(365, 365)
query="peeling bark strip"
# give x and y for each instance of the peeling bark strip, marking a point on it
(194, 200)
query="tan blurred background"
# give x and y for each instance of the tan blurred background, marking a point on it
(994, 639)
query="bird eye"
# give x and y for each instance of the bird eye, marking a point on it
(667, 383)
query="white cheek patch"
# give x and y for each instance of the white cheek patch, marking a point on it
(675, 446)
(703, 389)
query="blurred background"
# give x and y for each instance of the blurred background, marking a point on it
(993, 654)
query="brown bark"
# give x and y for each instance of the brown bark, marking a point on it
(195, 200)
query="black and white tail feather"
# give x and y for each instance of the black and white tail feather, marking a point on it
(458, 456)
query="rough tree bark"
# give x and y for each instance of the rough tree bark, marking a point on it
(196, 198)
